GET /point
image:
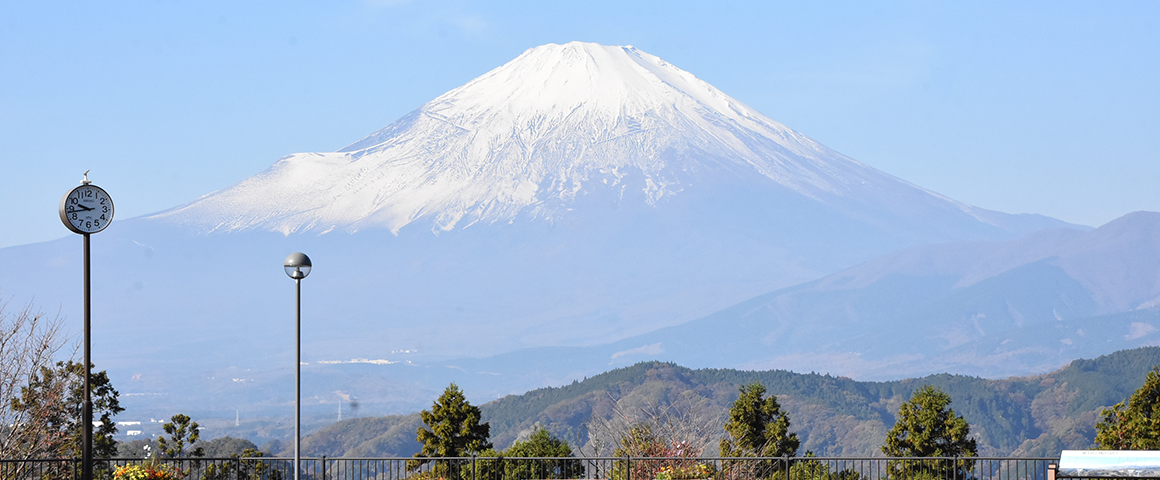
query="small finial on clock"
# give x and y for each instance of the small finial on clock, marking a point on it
(86, 181)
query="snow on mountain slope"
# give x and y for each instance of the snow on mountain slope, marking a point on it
(526, 139)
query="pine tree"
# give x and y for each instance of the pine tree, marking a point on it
(926, 426)
(1137, 425)
(452, 428)
(757, 428)
(183, 432)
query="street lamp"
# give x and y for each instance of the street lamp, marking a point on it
(297, 267)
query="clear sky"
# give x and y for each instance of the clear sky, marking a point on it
(1022, 107)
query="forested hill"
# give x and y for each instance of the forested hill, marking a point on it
(834, 416)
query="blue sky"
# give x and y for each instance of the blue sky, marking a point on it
(1022, 107)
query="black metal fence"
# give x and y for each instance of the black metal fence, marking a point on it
(610, 468)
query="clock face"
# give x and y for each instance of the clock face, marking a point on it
(86, 209)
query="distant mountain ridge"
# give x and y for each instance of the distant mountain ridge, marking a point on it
(993, 309)
(834, 416)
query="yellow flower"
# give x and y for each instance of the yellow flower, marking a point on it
(152, 471)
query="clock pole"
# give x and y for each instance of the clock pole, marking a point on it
(87, 417)
(86, 210)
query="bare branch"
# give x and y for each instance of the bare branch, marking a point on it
(29, 342)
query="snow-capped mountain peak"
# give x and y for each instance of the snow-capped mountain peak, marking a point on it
(525, 140)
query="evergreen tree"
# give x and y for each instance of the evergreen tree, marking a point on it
(540, 444)
(1137, 425)
(452, 428)
(757, 427)
(926, 426)
(183, 432)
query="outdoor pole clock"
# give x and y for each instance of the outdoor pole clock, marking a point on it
(87, 208)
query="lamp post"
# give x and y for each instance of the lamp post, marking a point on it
(297, 266)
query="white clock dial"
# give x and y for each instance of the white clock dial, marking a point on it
(86, 209)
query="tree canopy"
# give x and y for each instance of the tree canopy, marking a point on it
(757, 427)
(183, 432)
(452, 428)
(55, 396)
(926, 426)
(1135, 426)
(540, 444)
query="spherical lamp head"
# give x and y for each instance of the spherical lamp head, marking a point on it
(297, 265)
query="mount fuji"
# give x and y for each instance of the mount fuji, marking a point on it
(578, 195)
(529, 140)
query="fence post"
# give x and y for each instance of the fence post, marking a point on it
(627, 467)
(324, 467)
(473, 474)
(785, 458)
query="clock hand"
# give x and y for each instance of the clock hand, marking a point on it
(81, 206)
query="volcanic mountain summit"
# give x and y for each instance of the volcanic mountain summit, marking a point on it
(577, 196)
(562, 122)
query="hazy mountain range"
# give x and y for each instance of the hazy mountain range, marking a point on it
(1033, 416)
(580, 208)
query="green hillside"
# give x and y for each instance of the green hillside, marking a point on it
(834, 416)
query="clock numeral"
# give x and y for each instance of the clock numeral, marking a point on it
(74, 217)
(97, 223)
(88, 194)
(103, 200)
(102, 217)
(105, 209)
(73, 200)
(88, 224)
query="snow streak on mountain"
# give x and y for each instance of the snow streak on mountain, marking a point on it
(528, 138)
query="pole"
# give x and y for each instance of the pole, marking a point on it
(87, 416)
(297, 373)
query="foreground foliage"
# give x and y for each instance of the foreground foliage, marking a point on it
(147, 471)
(757, 427)
(452, 430)
(928, 427)
(242, 467)
(1135, 426)
(55, 395)
(183, 432)
(29, 342)
(539, 444)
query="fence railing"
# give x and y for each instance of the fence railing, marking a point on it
(611, 468)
